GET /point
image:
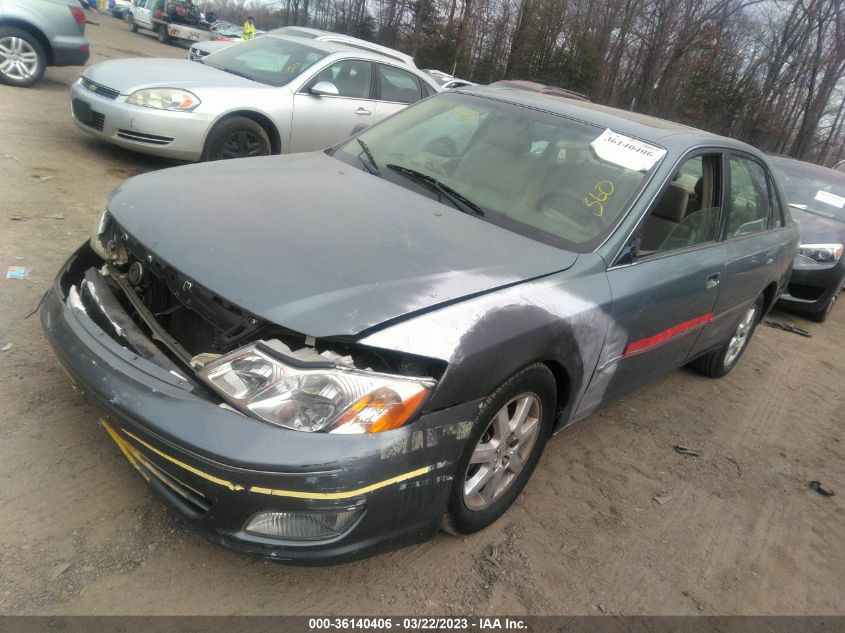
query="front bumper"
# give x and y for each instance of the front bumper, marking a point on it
(178, 135)
(810, 289)
(218, 468)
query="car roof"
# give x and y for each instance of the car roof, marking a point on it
(668, 134)
(349, 40)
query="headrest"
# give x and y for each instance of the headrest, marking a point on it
(672, 204)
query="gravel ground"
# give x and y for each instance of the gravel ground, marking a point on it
(742, 534)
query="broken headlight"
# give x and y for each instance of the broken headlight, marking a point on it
(315, 394)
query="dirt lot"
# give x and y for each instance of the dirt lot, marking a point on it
(742, 534)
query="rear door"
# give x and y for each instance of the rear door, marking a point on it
(755, 242)
(397, 89)
(320, 121)
(665, 295)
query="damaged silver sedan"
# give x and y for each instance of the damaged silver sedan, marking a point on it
(381, 339)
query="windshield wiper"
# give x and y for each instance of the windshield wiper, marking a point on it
(460, 201)
(373, 166)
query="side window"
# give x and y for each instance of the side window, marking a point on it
(750, 198)
(427, 90)
(397, 85)
(351, 77)
(687, 212)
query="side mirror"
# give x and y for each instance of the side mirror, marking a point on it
(324, 88)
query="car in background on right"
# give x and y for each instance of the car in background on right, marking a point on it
(817, 198)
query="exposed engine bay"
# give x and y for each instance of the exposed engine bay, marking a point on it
(232, 356)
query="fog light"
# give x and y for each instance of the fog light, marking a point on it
(303, 526)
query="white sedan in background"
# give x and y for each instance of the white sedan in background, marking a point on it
(271, 95)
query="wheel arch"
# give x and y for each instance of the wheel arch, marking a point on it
(262, 119)
(564, 390)
(770, 297)
(32, 30)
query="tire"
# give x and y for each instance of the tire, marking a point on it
(821, 315)
(237, 137)
(483, 490)
(22, 58)
(720, 362)
(163, 35)
(133, 26)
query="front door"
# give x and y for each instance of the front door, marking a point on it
(320, 121)
(665, 297)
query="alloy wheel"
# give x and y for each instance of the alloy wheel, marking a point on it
(18, 60)
(741, 336)
(502, 450)
(242, 144)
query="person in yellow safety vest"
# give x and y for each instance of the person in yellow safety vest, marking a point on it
(249, 28)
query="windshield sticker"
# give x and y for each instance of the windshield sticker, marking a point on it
(626, 152)
(598, 196)
(830, 198)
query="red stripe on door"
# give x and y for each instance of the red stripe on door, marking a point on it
(665, 335)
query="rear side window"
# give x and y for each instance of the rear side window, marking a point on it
(750, 198)
(427, 90)
(397, 85)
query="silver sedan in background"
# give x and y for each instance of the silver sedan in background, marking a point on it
(271, 95)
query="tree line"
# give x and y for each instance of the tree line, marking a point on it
(768, 72)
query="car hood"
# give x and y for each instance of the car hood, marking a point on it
(128, 75)
(817, 229)
(319, 247)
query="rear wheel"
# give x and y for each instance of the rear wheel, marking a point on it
(237, 137)
(508, 438)
(721, 361)
(22, 58)
(821, 315)
(163, 35)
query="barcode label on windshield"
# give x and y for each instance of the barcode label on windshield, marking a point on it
(830, 198)
(627, 152)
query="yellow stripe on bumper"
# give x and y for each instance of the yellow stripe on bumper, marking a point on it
(133, 455)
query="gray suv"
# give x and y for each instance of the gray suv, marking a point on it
(35, 34)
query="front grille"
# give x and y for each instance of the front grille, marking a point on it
(140, 137)
(99, 89)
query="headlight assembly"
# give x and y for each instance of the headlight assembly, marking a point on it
(313, 395)
(812, 254)
(172, 99)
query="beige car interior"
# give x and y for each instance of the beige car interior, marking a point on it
(682, 216)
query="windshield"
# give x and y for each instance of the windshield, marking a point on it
(812, 188)
(268, 60)
(532, 172)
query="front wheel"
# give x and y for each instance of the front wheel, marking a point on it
(508, 438)
(721, 361)
(237, 137)
(133, 26)
(22, 58)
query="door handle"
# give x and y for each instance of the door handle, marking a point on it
(712, 281)
(362, 111)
